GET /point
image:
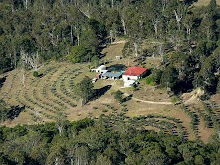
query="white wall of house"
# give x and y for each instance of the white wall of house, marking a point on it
(129, 77)
(99, 71)
(102, 71)
(129, 83)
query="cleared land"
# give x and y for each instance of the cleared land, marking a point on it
(204, 2)
(51, 93)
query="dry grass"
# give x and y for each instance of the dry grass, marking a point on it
(204, 2)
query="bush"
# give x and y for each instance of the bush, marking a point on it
(204, 97)
(175, 99)
(118, 96)
(150, 80)
(35, 74)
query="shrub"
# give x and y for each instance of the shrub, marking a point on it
(118, 96)
(175, 99)
(150, 79)
(35, 74)
(104, 110)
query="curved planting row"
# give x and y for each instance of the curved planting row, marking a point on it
(29, 109)
(166, 124)
(46, 96)
(33, 105)
(213, 114)
(194, 120)
(69, 79)
(11, 82)
(58, 88)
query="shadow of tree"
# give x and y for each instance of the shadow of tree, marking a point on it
(128, 98)
(99, 92)
(2, 80)
(15, 111)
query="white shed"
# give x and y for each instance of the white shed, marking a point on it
(100, 69)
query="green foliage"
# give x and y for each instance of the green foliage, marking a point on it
(206, 77)
(156, 74)
(169, 77)
(95, 61)
(150, 79)
(9, 112)
(175, 99)
(218, 42)
(84, 90)
(118, 96)
(35, 74)
(218, 86)
(97, 142)
(77, 54)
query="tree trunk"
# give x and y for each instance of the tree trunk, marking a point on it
(15, 59)
(56, 161)
(136, 49)
(123, 24)
(78, 38)
(71, 161)
(155, 28)
(111, 35)
(82, 102)
(219, 135)
(188, 31)
(178, 19)
(71, 34)
(23, 78)
(11, 58)
(112, 3)
(60, 128)
(26, 4)
(101, 4)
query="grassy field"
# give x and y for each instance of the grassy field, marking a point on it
(205, 2)
(45, 97)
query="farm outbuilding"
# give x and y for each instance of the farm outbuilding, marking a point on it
(100, 69)
(112, 75)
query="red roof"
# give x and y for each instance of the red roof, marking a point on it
(135, 71)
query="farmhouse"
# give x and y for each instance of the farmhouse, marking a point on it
(111, 75)
(100, 69)
(134, 73)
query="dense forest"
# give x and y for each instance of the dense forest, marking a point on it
(103, 141)
(76, 31)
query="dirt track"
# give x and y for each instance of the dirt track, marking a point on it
(150, 102)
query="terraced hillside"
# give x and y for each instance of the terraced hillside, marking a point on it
(45, 97)
(52, 94)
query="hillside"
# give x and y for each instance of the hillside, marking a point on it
(53, 92)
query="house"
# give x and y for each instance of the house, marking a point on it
(100, 69)
(134, 73)
(111, 75)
